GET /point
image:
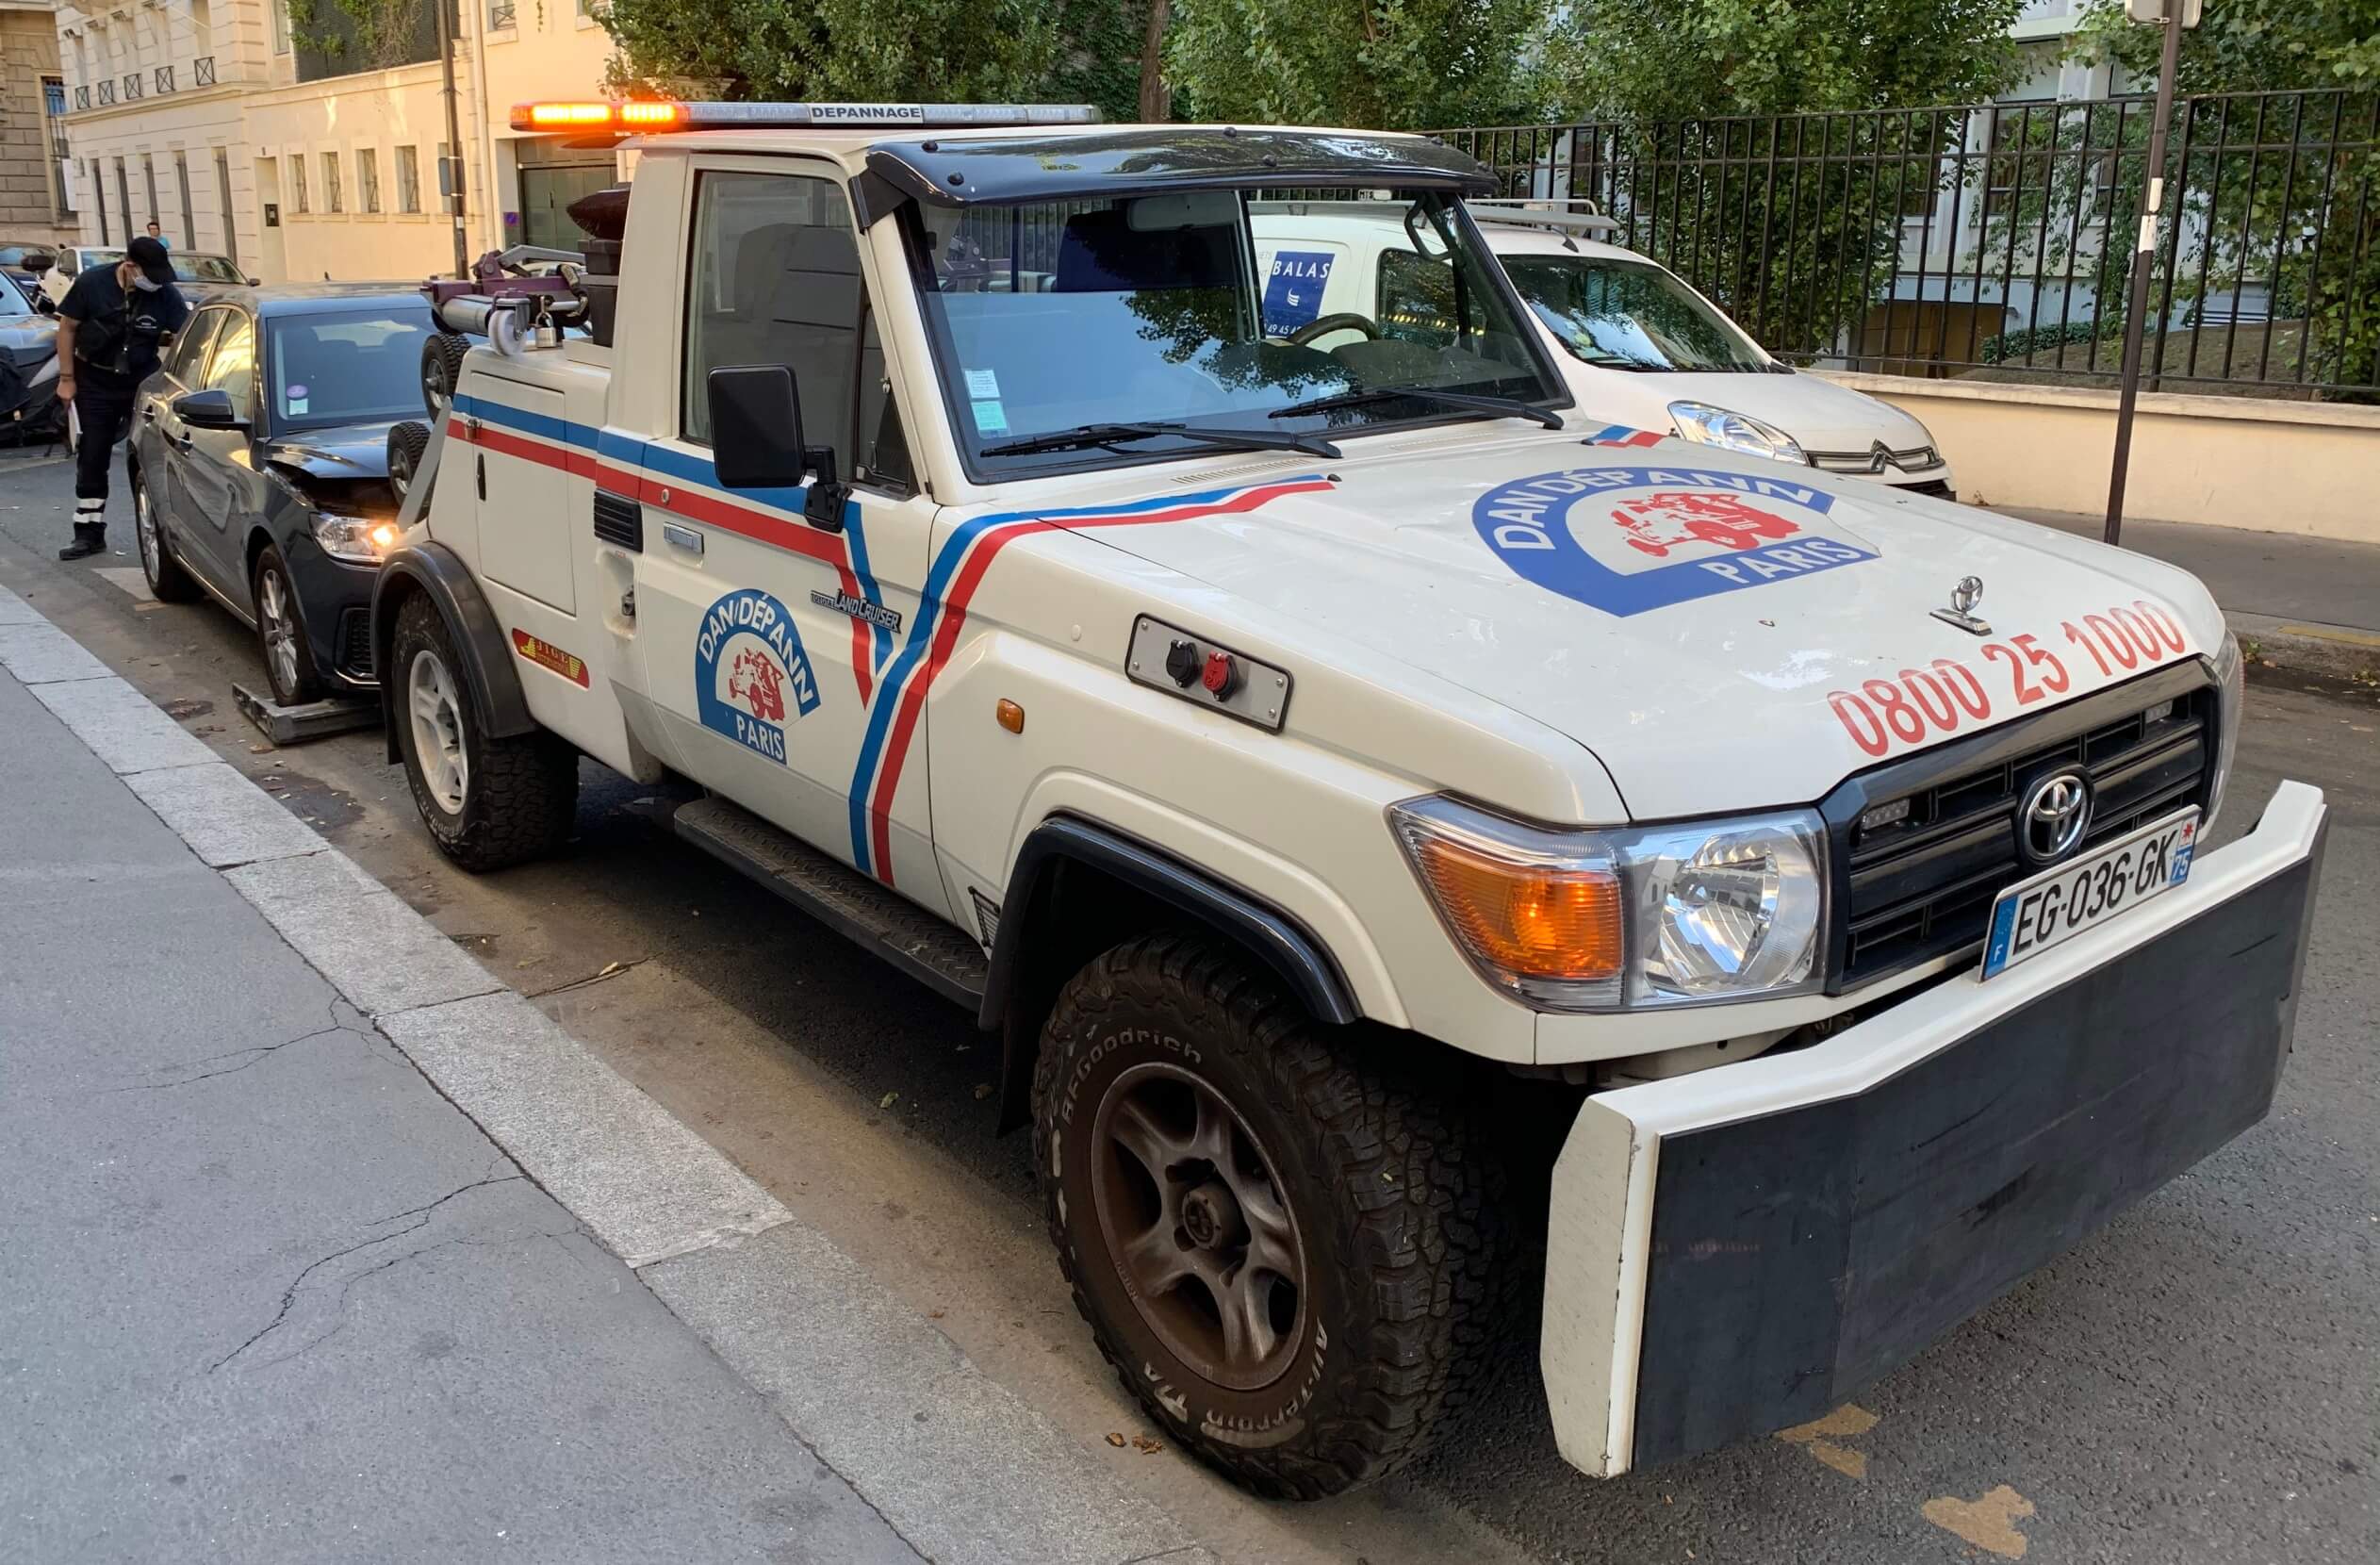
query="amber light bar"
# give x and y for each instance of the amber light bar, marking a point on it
(648, 114)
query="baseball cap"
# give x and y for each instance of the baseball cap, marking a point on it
(150, 256)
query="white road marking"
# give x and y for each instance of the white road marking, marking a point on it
(131, 579)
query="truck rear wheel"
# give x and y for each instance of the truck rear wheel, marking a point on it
(488, 802)
(1288, 1255)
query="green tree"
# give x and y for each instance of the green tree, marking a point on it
(1383, 64)
(1644, 61)
(932, 51)
(2247, 45)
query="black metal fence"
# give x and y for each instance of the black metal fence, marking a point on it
(1994, 239)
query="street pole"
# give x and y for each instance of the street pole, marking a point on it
(2144, 261)
(450, 172)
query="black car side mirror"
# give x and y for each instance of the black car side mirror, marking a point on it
(756, 439)
(208, 410)
(44, 305)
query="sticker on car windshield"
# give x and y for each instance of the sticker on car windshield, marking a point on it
(751, 677)
(1628, 541)
(991, 418)
(1293, 290)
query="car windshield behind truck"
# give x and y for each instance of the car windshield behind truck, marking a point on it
(1060, 322)
(1625, 315)
(347, 367)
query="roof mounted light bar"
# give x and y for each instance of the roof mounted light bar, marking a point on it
(626, 116)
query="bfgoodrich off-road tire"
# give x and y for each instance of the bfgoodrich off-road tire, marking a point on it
(509, 800)
(1311, 1158)
(407, 442)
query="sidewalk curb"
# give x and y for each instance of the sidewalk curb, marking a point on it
(2338, 652)
(940, 1449)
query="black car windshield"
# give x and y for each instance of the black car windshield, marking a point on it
(12, 299)
(1628, 315)
(1058, 321)
(346, 367)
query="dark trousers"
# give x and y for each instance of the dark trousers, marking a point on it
(103, 405)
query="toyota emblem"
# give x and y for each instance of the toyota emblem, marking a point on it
(2053, 817)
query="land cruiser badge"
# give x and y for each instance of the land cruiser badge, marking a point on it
(751, 678)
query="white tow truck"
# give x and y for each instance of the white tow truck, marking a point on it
(1320, 765)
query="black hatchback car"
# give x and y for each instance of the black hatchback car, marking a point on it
(258, 467)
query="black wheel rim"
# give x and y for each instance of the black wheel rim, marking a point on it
(1191, 1210)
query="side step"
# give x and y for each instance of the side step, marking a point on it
(872, 916)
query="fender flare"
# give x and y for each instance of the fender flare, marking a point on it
(1276, 938)
(488, 673)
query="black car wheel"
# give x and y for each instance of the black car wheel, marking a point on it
(441, 369)
(289, 658)
(168, 581)
(406, 443)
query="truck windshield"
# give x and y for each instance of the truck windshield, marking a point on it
(1058, 322)
(1626, 315)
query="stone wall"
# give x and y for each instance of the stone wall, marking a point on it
(28, 189)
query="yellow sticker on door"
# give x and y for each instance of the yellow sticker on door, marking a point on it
(545, 654)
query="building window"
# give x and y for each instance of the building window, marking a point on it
(149, 177)
(368, 179)
(500, 16)
(330, 183)
(280, 13)
(61, 158)
(223, 201)
(297, 185)
(408, 179)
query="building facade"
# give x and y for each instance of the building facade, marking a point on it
(306, 144)
(37, 193)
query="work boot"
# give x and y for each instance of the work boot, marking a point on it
(91, 537)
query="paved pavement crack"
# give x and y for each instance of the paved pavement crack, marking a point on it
(246, 1057)
(290, 1294)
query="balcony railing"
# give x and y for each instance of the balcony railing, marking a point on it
(106, 91)
(203, 71)
(132, 86)
(82, 97)
(500, 15)
(164, 81)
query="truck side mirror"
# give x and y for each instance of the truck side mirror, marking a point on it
(756, 440)
(755, 427)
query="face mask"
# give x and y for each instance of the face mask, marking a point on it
(141, 280)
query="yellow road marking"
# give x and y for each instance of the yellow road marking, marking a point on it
(1817, 1437)
(1989, 1523)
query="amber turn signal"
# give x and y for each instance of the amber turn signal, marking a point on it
(1011, 717)
(1532, 920)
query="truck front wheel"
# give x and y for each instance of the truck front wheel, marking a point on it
(1288, 1253)
(488, 802)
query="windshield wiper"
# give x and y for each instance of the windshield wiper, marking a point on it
(1508, 407)
(1107, 435)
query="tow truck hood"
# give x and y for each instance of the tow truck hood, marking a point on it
(1691, 622)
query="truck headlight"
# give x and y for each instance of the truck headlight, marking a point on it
(1730, 431)
(2231, 676)
(1625, 918)
(358, 540)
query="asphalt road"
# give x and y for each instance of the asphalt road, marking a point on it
(2198, 1382)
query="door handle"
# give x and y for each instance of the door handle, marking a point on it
(149, 413)
(483, 473)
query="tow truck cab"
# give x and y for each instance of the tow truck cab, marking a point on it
(1275, 740)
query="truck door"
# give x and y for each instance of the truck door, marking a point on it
(764, 636)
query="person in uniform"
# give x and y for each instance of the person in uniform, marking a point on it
(112, 325)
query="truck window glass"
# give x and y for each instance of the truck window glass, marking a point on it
(775, 280)
(234, 367)
(1056, 315)
(1417, 299)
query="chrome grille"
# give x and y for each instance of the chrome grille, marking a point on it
(1921, 887)
(1875, 459)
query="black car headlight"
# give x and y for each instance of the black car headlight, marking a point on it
(358, 540)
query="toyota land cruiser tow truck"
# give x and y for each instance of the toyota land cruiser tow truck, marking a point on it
(1293, 752)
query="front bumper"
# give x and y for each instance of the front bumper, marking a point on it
(1741, 1249)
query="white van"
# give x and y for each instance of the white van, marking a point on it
(1641, 349)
